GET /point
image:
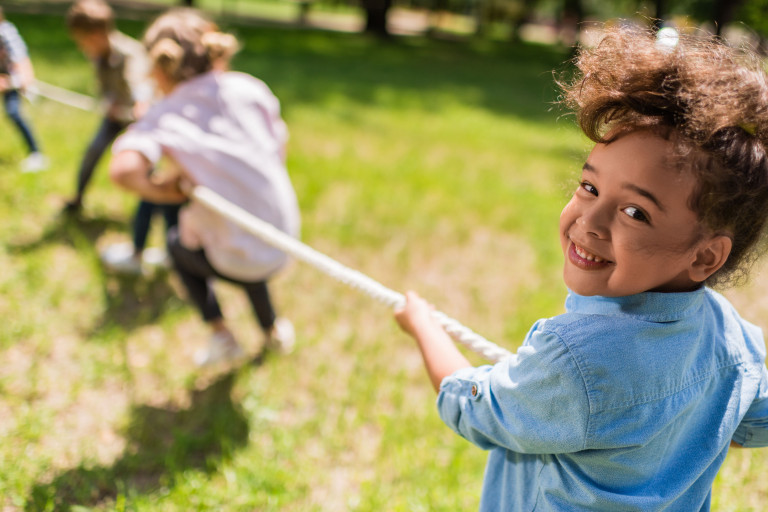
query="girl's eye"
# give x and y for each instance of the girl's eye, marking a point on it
(588, 187)
(636, 214)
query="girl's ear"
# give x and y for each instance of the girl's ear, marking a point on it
(710, 256)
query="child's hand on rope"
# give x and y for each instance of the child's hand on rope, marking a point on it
(416, 315)
(171, 175)
(441, 357)
(176, 189)
(131, 170)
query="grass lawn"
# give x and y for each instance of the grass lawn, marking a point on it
(429, 165)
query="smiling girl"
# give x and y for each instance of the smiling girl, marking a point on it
(631, 399)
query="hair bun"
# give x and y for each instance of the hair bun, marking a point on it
(167, 54)
(219, 45)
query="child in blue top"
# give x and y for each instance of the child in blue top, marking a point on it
(631, 399)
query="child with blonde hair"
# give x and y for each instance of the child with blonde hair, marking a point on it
(222, 130)
(631, 399)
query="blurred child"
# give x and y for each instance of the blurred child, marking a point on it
(222, 130)
(631, 399)
(121, 68)
(135, 257)
(16, 75)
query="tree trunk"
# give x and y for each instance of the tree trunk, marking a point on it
(529, 8)
(188, 3)
(570, 22)
(658, 16)
(376, 16)
(724, 11)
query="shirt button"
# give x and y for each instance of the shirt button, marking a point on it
(474, 390)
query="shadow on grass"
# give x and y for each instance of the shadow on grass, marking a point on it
(131, 300)
(161, 443)
(136, 300)
(74, 231)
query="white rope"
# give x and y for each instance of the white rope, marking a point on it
(336, 270)
(63, 96)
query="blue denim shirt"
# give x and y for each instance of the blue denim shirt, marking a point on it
(620, 404)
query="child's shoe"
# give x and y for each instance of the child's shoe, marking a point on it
(222, 346)
(282, 337)
(35, 162)
(155, 257)
(72, 208)
(122, 258)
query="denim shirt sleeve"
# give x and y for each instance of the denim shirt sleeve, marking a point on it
(752, 432)
(533, 402)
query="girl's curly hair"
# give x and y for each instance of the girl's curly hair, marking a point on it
(707, 98)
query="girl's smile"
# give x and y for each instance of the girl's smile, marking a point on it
(584, 259)
(628, 227)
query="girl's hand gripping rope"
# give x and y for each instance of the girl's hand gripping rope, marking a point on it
(440, 354)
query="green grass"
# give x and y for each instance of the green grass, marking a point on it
(429, 165)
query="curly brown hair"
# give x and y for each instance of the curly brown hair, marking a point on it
(711, 101)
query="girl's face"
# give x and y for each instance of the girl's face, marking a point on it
(628, 228)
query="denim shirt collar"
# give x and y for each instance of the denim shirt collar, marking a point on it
(648, 306)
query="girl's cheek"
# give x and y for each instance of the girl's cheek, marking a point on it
(568, 215)
(566, 211)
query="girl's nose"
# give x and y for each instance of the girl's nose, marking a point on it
(594, 221)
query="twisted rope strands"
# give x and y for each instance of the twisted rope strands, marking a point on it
(336, 270)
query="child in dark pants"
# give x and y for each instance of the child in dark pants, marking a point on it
(122, 70)
(135, 257)
(222, 130)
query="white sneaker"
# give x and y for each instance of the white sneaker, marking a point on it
(155, 257)
(282, 337)
(35, 162)
(222, 346)
(122, 258)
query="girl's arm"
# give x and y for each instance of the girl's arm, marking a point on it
(131, 170)
(440, 354)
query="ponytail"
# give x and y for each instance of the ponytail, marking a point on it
(220, 46)
(182, 43)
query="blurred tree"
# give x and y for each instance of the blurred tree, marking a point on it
(188, 3)
(718, 12)
(437, 9)
(376, 16)
(754, 14)
(511, 13)
(527, 12)
(659, 12)
(724, 12)
(570, 21)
